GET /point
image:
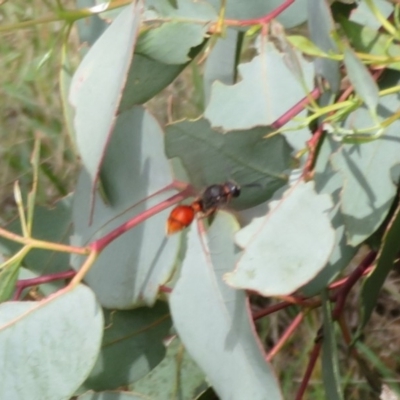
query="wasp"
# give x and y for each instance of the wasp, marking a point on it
(213, 197)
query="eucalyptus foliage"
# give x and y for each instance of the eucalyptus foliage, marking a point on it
(295, 101)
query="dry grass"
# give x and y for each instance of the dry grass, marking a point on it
(30, 104)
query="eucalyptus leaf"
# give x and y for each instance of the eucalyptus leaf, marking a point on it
(177, 376)
(221, 62)
(52, 225)
(371, 41)
(277, 260)
(365, 16)
(294, 15)
(128, 271)
(268, 88)
(54, 344)
(363, 83)
(330, 361)
(244, 156)
(97, 84)
(132, 346)
(233, 361)
(112, 395)
(385, 260)
(321, 25)
(366, 170)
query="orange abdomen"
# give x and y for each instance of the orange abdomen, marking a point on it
(180, 217)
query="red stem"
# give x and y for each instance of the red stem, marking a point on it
(286, 335)
(25, 283)
(270, 310)
(265, 19)
(341, 295)
(312, 146)
(296, 109)
(164, 289)
(100, 244)
(302, 301)
(310, 367)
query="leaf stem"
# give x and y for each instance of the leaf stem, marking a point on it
(310, 367)
(263, 20)
(296, 109)
(285, 337)
(341, 295)
(101, 243)
(25, 283)
(40, 244)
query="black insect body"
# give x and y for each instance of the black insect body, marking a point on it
(215, 196)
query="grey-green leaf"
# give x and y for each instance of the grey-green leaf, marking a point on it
(276, 260)
(97, 84)
(366, 169)
(363, 83)
(221, 62)
(54, 344)
(129, 271)
(294, 15)
(321, 25)
(329, 181)
(268, 88)
(221, 339)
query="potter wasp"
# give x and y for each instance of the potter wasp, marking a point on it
(213, 197)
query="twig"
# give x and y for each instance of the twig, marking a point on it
(341, 295)
(310, 367)
(25, 283)
(286, 335)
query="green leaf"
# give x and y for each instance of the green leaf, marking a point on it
(9, 276)
(132, 346)
(129, 271)
(366, 170)
(306, 46)
(54, 344)
(53, 225)
(361, 80)
(330, 361)
(177, 376)
(171, 42)
(384, 263)
(321, 26)
(245, 156)
(221, 338)
(267, 90)
(371, 41)
(97, 84)
(276, 259)
(113, 395)
(146, 78)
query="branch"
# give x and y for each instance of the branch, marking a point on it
(25, 283)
